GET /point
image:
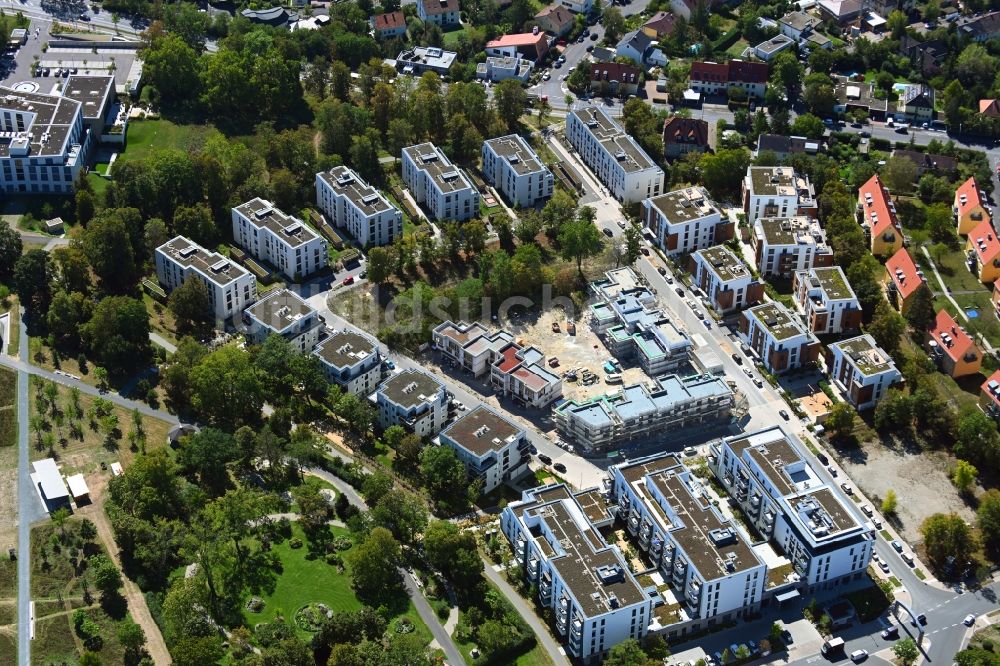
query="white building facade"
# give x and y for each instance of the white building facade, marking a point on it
(778, 337)
(493, 449)
(414, 400)
(442, 187)
(284, 241)
(685, 220)
(614, 156)
(352, 204)
(283, 313)
(511, 166)
(726, 281)
(230, 286)
(862, 370)
(352, 361)
(776, 192)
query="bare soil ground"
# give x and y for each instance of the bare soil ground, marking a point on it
(575, 352)
(8, 498)
(920, 480)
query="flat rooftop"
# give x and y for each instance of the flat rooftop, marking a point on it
(93, 93)
(264, 214)
(822, 513)
(481, 431)
(517, 153)
(832, 281)
(680, 206)
(280, 310)
(48, 131)
(345, 348)
(866, 356)
(772, 181)
(430, 158)
(726, 265)
(712, 545)
(777, 459)
(363, 196)
(213, 266)
(601, 125)
(778, 320)
(628, 153)
(410, 388)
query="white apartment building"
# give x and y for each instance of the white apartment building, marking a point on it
(596, 600)
(442, 187)
(469, 346)
(493, 448)
(784, 245)
(726, 280)
(614, 156)
(776, 192)
(230, 286)
(685, 220)
(519, 373)
(43, 142)
(352, 361)
(497, 69)
(706, 560)
(283, 313)
(862, 370)
(440, 12)
(820, 532)
(578, 6)
(283, 241)
(350, 203)
(511, 166)
(414, 400)
(778, 337)
(826, 301)
(639, 412)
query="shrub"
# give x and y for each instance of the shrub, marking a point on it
(295, 542)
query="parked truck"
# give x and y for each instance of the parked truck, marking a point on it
(833, 646)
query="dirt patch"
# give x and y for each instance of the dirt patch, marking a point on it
(920, 481)
(8, 497)
(579, 352)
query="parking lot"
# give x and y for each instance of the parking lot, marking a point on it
(581, 352)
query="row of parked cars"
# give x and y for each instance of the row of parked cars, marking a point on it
(59, 71)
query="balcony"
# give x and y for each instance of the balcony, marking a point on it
(655, 547)
(533, 569)
(633, 523)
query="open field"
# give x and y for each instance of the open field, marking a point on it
(146, 136)
(304, 580)
(85, 454)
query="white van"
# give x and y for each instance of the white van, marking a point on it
(613, 378)
(907, 558)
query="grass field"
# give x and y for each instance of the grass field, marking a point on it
(8, 413)
(76, 455)
(145, 136)
(869, 602)
(985, 324)
(8, 611)
(451, 38)
(305, 580)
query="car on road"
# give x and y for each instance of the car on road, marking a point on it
(679, 290)
(670, 280)
(921, 619)
(846, 487)
(593, 37)
(621, 224)
(546, 76)
(832, 470)
(859, 655)
(969, 620)
(645, 251)
(748, 372)
(557, 64)
(884, 566)
(758, 382)
(559, 467)
(607, 232)
(661, 270)
(348, 280)
(390, 364)
(897, 546)
(545, 459)
(590, 48)
(821, 457)
(533, 449)
(737, 358)
(890, 633)
(783, 414)
(707, 323)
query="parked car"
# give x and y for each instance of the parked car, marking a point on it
(607, 232)
(737, 358)
(832, 470)
(661, 270)
(545, 459)
(559, 467)
(897, 546)
(859, 655)
(884, 566)
(823, 460)
(679, 290)
(390, 364)
(846, 487)
(969, 620)
(348, 280)
(783, 414)
(890, 633)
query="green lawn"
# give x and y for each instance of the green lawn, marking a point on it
(953, 271)
(98, 183)
(736, 50)
(305, 580)
(869, 602)
(986, 324)
(451, 38)
(145, 136)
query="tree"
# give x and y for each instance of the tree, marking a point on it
(206, 454)
(171, 67)
(886, 327)
(510, 99)
(899, 174)
(373, 563)
(721, 172)
(840, 421)
(89, 658)
(108, 247)
(379, 265)
(443, 472)
(614, 25)
(921, 313)
(786, 70)
(579, 240)
(117, 335)
(819, 97)
(402, 514)
(197, 651)
(906, 650)
(889, 503)
(626, 653)
(894, 411)
(32, 275)
(977, 439)
(453, 552)
(558, 210)
(947, 536)
(67, 312)
(964, 476)
(10, 250)
(988, 517)
(633, 243)
(107, 578)
(189, 303)
(225, 388)
(132, 638)
(809, 126)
